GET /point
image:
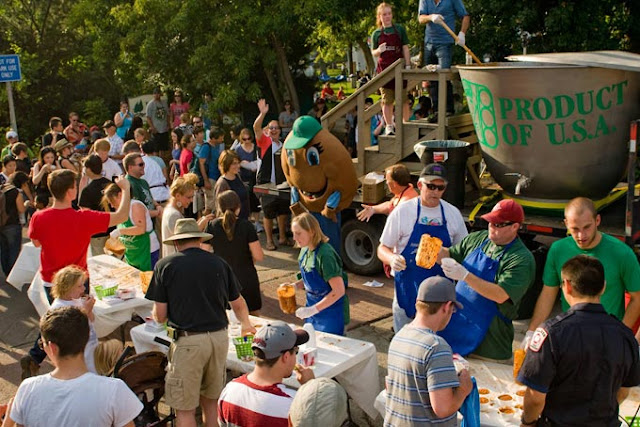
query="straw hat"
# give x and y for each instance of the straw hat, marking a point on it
(187, 228)
(62, 144)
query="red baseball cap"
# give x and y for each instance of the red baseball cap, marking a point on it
(505, 210)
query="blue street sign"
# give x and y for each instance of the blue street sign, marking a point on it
(10, 68)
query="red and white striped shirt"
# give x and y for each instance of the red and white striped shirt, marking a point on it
(243, 403)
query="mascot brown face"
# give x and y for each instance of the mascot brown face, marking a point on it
(318, 169)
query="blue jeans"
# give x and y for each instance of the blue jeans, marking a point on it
(439, 54)
(10, 244)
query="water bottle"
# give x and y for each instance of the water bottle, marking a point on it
(312, 334)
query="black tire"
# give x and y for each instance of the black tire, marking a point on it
(359, 246)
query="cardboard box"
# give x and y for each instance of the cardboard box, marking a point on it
(372, 191)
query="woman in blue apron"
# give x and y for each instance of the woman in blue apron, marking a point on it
(323, 278)
(408, 280)
(468, 327)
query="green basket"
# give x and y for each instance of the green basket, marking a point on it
(105, 292)
(243, 347)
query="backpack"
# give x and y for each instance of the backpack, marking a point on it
(4, 216)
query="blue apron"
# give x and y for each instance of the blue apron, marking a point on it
(408, 281)
(468, 327)
(331, 319)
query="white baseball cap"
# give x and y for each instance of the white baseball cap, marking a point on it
(12, 134)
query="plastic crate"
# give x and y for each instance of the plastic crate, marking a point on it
(243, 347)
(102, 292)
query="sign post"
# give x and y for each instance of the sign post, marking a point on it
(10, 72)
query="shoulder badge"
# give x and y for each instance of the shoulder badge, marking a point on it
(538, 339)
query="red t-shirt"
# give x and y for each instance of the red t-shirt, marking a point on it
(185, 161)
(65, 235)
(263, 144)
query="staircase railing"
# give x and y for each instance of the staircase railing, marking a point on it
(356, 99)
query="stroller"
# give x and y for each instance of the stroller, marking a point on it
(144, 374)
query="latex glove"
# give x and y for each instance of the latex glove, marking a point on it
(382, 47)
(304, 312)
(526, 340)
(461, 39)
(115, 233)
(453, 269)
(437, 19)
(398, 263)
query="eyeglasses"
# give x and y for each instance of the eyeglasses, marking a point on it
(434, 187)
(294, 349)
(501, 224)
(140, 165)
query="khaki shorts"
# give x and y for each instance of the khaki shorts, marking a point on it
(209, 199)
(197, 367)
(388, 96)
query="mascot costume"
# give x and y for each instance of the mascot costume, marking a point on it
(321, 175)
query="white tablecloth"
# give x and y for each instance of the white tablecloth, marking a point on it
(351, 362)
(110, 312)
(26, 266)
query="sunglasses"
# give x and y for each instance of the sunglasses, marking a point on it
(41, 343)
(434, 187)
(501, 224)
(274, 128)
(140, 165)
(196, 122)
(294, 349)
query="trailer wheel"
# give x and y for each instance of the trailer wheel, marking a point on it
(359, 245)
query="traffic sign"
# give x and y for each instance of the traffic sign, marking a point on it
(10, 68)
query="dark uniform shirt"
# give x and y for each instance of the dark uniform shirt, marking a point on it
(197, 286)
(580, 360)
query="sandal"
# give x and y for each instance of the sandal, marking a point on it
(271, 246)
(287, 242)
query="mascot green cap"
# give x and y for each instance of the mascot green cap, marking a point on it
(303, 131)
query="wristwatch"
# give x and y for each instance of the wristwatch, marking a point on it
(525, 423)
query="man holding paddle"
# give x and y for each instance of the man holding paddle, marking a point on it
(437, 15)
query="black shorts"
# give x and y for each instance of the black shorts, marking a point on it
(162, 141)
(275, 208)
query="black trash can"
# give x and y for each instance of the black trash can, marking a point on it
(453, 155)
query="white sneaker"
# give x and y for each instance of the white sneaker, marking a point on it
(389, 130)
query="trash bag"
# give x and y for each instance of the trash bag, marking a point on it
(470, 409)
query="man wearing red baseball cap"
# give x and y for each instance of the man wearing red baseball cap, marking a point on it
(494, 269)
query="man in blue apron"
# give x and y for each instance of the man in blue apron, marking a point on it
(427, 214)
(494, 269)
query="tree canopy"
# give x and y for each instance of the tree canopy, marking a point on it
(86, 55)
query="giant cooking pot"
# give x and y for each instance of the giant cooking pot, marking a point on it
(550, 131)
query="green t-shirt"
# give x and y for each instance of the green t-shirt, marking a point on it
(328, 262)
(140, 191)
(621, 270)
(389, 30)
(516, 272)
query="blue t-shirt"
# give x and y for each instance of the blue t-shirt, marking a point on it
(212, 154)
(449, 9)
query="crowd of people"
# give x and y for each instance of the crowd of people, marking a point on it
(182, 205)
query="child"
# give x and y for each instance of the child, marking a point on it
(69, 290)
(110, 168)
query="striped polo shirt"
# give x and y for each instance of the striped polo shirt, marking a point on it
(419, 361)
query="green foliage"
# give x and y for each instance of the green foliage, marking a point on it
(86, 55)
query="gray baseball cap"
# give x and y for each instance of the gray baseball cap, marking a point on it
(433, 171)
(276, 337)
(438, 289)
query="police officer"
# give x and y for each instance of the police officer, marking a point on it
(579, 365)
